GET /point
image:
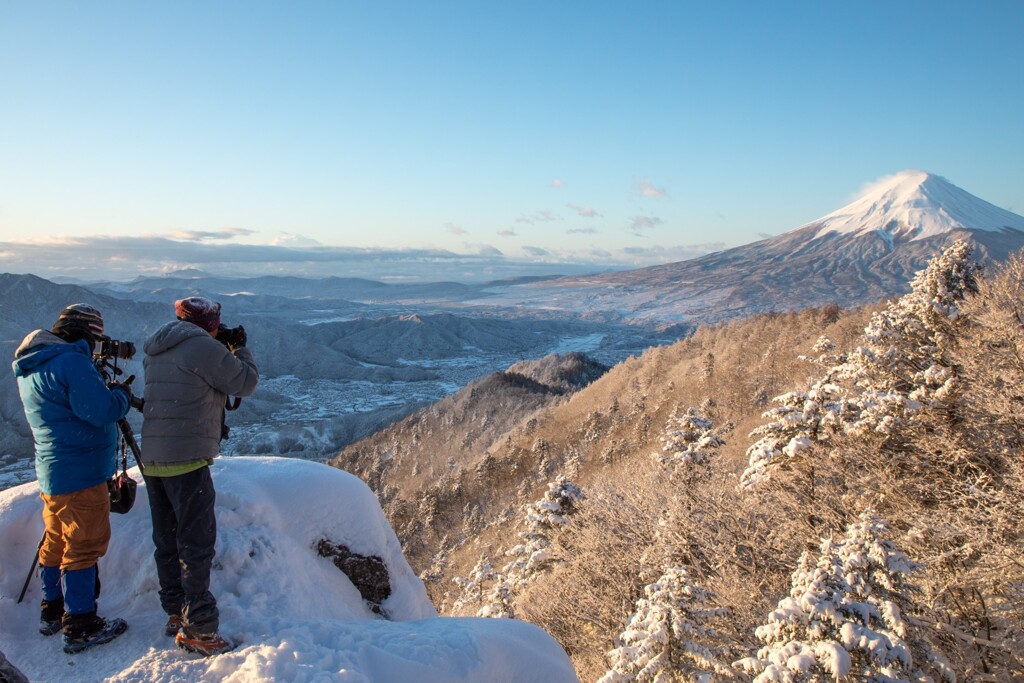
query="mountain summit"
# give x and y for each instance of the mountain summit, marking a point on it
(866, 251)
(918, 205)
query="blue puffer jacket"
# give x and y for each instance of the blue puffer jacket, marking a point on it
(72, 413)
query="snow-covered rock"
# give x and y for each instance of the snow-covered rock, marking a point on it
(297, 617)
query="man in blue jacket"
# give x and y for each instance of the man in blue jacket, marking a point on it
(73, 416)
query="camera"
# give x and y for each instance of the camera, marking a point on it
(231, 337)
(113, 348)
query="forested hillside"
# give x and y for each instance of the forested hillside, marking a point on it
(807, 496)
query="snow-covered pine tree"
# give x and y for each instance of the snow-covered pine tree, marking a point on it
(499, 603)
(802, 419)
(493, 592)
(906, 361)
(690, 438)
(542, 518)
(669, 637)
(475, 587)
(843, 617)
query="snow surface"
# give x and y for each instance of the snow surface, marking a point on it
(918, 204)
(296, 616)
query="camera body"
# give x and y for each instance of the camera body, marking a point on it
(231, 337)
(113, 348)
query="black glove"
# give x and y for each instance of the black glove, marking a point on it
(126, 387)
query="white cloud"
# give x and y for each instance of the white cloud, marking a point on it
(585, 211)
(287, 239)
(485, 250)
(454, 229)
(557, 182)
(679, 252)
(208, 235)
(539, 217)
(647, 189)
(582, 231)
(644, 222)
(104, 257)
(508, 233)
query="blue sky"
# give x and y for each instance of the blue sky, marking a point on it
(606, 133)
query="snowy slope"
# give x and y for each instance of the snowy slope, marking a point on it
(917, 204)
(297, 616)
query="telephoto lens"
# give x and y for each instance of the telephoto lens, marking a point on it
(113, 348)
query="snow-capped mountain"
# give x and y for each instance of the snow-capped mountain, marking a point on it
(917, 205)
(863, 252)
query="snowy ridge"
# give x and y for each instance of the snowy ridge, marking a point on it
(295, 615)
(915, 204)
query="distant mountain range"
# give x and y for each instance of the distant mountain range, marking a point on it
(334, 347)
(863, 252)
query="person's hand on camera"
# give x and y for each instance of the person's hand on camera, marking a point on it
(126, 387)
(120, 386)
(232, 337)
(240, 338)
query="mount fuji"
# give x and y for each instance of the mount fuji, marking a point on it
(863, 252)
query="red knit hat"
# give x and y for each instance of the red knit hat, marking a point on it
(200, 311)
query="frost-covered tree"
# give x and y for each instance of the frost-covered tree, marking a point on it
(843, 617)
(801, 419)
(543, 517)
(689, 439)
(906, 362)
(498, 601)
(476, 586)
(492, 593)
(669, 637)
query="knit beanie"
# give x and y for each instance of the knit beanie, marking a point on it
(200, 311)
(86, 313)
(79, 321)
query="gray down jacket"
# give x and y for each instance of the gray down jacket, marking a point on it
(189, 375)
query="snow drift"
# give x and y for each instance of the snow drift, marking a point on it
(296, 616)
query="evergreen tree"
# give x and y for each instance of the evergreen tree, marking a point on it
(543, 517)
(475, 587)
(802, 419)
(667, 638)
(843, 617)
(907, 361)
(690, 438)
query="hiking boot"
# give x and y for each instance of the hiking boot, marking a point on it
(50, 614)
(205, 644)
(82, 631)
(173, 624)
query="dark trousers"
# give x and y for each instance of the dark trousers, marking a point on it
(185, 532)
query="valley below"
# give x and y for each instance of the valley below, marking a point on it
(332, 370)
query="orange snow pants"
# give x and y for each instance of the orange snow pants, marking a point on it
(77, 528)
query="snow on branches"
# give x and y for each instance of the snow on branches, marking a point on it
(905, 363)
(666, 638)
(542, 517)
(802, 419)
(690, 439)
(843, 615)
(495, 591)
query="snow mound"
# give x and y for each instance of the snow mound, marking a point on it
(918, 205)
(295, 615)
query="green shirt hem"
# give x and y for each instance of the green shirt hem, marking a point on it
(176, 469)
